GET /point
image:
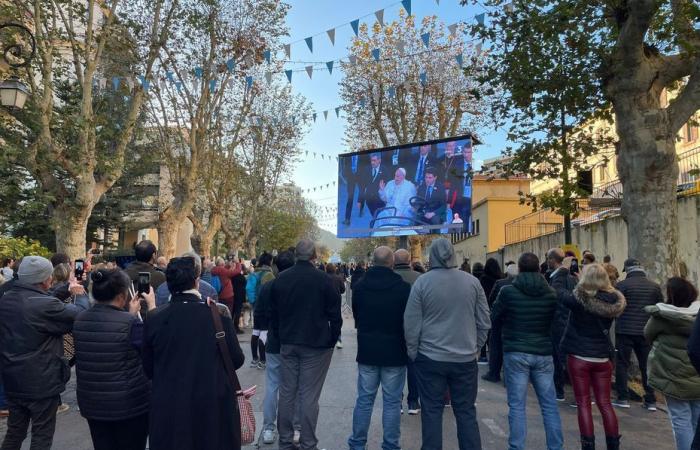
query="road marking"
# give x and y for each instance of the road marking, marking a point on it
(493, 427)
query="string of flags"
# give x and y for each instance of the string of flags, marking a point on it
(319, 187)
(321, 155)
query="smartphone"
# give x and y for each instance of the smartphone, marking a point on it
(79, 269)
(574, 266)
(144, 283)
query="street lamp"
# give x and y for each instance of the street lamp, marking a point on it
(13, 93)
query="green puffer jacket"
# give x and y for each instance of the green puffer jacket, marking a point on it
(526, 310)
(669, 368)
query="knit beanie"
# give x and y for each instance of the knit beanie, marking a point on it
(34, 270)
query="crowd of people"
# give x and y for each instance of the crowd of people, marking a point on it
(155, 346)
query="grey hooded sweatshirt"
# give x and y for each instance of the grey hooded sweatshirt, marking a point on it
(447, 316)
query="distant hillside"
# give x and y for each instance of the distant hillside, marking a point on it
(331, 241)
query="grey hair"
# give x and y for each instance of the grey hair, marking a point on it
(220, 261)
(305, 250)
(383, 256)
(402, 171)
(197, 262)
(402, 256)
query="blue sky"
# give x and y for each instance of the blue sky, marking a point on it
(311, 17)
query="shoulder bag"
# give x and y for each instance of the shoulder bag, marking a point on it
(245, 408)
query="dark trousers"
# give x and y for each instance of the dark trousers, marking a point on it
(495, 352)
(559, 360)
(412, 382)
(351, 185)
(434, 378)
(626, 344)
(41, 414)
(598, 376)
(129, 434)
(303, 373)
(237, 309)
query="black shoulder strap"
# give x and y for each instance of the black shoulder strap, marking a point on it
(223, 347)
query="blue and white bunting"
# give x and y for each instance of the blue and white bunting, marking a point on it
(392, 92)
(480, 18)
(337, 111)
(289, 75)
(425, 37)
(145, 84)
(329, 65)
(453, 29)
(310, 43)
(249, 81)
(288, 50)
(212, 85)
(268, 56)
(331, 35)
(115, 83)
(310, 71)
(355, 24)
(460, 60)
(375, 54)
(380, 16)
(407, 6)
(169, 76)
(198, 72)
(423, 78)
(230, 65)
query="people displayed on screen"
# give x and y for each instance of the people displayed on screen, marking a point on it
(351, 173)
(433, 195)
(457, 219)
(397, 194)
(464, 201)
(373, 176)
(424, 160)
(450, 179)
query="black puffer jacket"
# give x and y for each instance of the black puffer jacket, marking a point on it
(640, 292)
(587, 331)
(561, 280)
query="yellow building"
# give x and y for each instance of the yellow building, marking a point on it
(495, 201)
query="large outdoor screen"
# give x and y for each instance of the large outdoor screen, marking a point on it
(421, 188)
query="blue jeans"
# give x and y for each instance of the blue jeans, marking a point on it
(520, 370)
(684, 415)
(272, 386)
(368, 380)
(434, 378)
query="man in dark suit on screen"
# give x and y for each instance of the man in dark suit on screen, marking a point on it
(464, 186)
(433, 193)
(351, 173)
(425, 159)
(372, 177)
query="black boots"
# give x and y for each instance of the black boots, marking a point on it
(587, 443)
(613, 442)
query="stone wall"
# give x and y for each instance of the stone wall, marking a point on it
(609, 237)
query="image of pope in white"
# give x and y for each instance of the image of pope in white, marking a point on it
(397, 193)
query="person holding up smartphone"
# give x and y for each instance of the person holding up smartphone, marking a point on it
(108, 339)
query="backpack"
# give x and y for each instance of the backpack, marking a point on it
(216, 283)
(252, 287)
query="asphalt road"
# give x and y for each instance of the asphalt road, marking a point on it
(640, 428)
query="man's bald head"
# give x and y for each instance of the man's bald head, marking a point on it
(402, 256)
(555, 256)
(383, 256)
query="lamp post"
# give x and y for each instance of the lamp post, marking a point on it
(13, 93)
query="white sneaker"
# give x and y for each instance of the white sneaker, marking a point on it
(297, 437)
(339, 345)
(269, 436)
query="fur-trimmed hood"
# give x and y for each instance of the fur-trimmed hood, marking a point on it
(604, 304)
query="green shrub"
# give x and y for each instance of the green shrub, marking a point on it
(17, 247)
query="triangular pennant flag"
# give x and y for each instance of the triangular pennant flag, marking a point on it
(145, 84)
(249, 81)
(478, 48)
(480, 18)
(325, 114)
(115, 83)
(329, 64)
(426, 39)
(353, 59)
(212, 85)
(438, 2)
(230, 65)
(355, 24)
(314, 155)
(460, 60)
(423, 78)
(288, 50)
(392, 92)
(337, 111)
(198, 72)
(375, 54)
(310, 43)
(268, 77)
(407, 6)
(401, 45)
(453, 29)
(314, 117)
(268, 56)
(380, 16)
(169, 76)
(310, 71)
(289, 75)
(331, 35)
